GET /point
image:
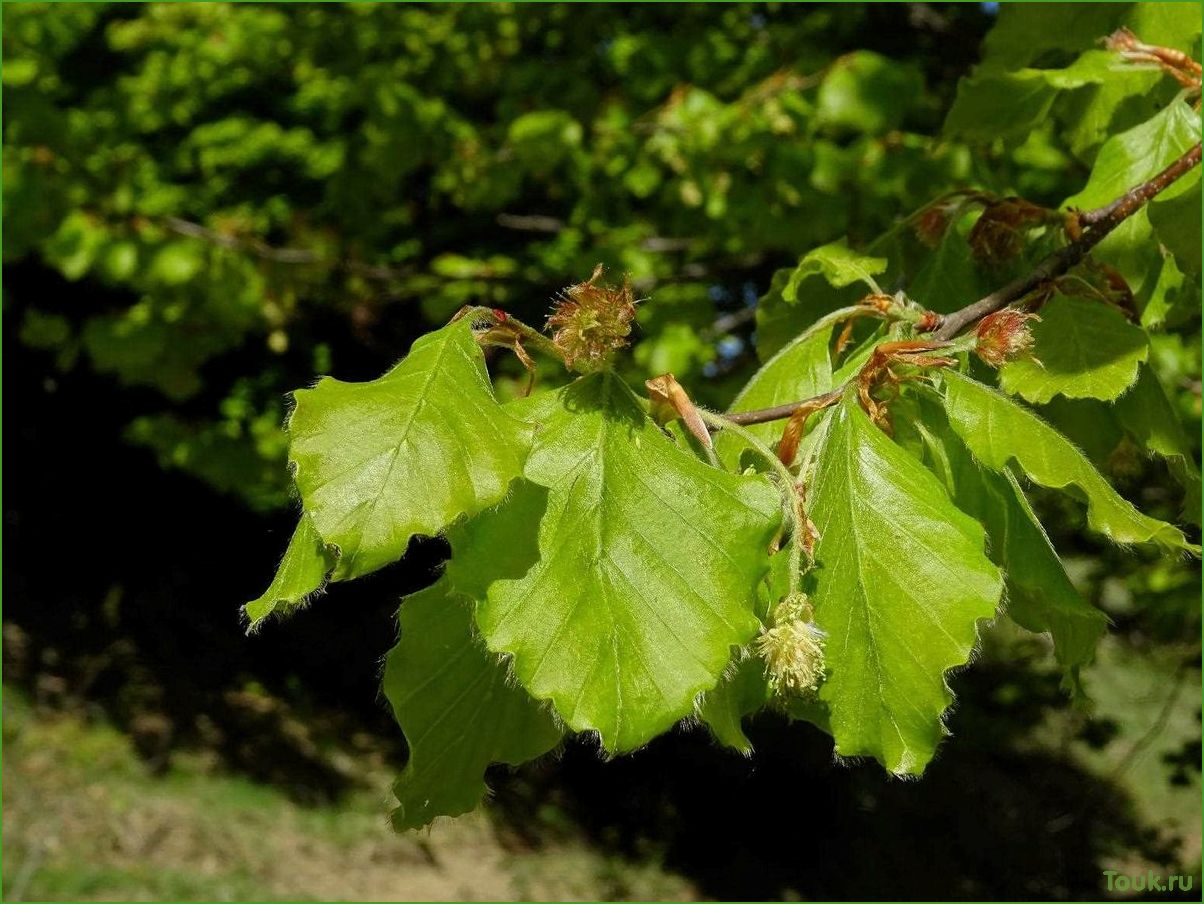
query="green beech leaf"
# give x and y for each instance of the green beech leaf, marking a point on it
(840, 265)
(1176, 222)
(458, 709)
(1082, 349)
(1133, 156)
(743, 690)
(780, 321)
(1089, 424)
(1021, 35)
(1010, 104)
(1128, 159)
(1051, 34)
(1147, 414)
(901, 582)
(1096, 111)
(801, 369)
(306, 565)
(1040, 596)
(1024, 35)
(950, 277)
(408, 453)
(1171, 297)
(623, 575)
(999, 431)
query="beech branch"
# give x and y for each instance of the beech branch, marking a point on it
(1098, 222)
(282, 255)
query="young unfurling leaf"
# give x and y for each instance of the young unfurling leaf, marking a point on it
(840, 265)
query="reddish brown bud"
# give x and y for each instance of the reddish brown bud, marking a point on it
(669, 401)
(931, 225)
(1000, 232)
(1121, 39)
(1004, 336)
(1175, 63)
(1072, 225)
(591, 322)
(875, 301)
(928, 322)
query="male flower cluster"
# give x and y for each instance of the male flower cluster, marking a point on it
(793, 649)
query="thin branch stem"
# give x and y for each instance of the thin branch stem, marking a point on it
(1100, 222)
(1099, 214)
(780, 412)
(499, 319)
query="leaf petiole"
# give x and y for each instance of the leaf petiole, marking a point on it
(500, 321)
(790, 493)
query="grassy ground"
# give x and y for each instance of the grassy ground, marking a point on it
(84, 820)
(1153, 702)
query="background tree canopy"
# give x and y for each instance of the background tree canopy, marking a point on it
(205, 205)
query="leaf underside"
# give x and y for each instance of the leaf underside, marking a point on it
(1147, 414)
(458, 708)
(742, 691)
(623, 573)
(1040, 596)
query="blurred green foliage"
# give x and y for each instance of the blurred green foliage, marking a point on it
(238, 196)
(222, 187)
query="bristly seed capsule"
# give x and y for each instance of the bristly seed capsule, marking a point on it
(591, 322)
(1004, 336)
